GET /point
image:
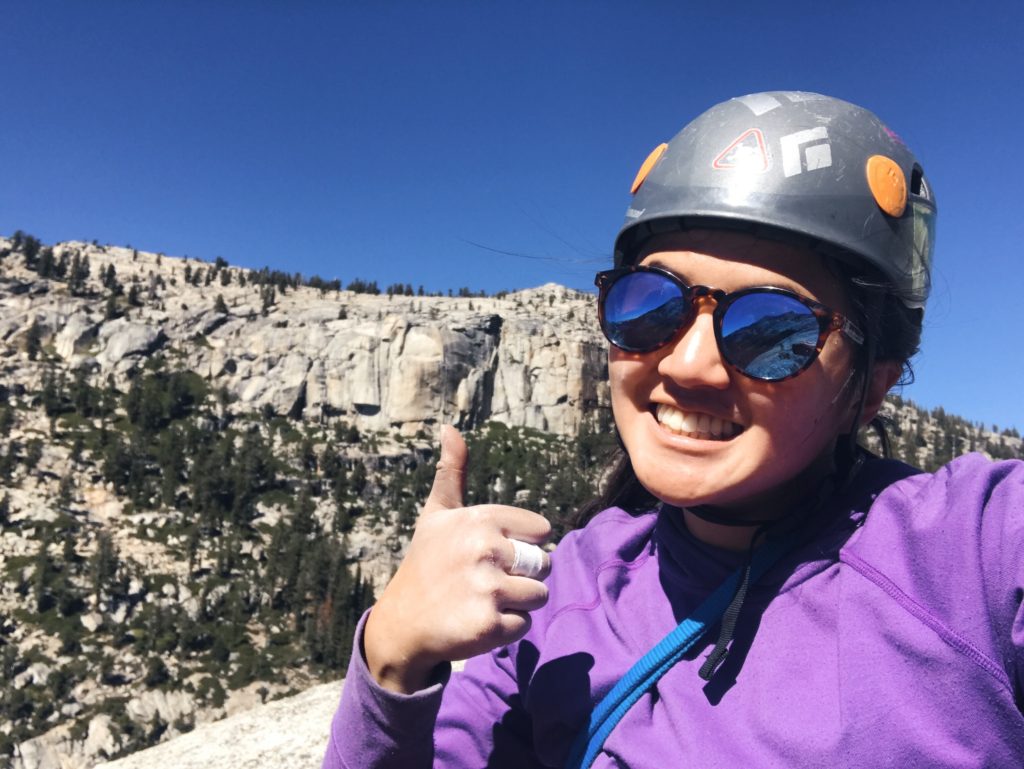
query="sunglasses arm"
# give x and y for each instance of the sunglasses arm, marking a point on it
(848, 327)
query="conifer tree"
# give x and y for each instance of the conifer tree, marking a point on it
(34, 339)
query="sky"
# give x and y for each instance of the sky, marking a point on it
(491, 145)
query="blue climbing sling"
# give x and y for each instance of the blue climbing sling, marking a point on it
(653, 665)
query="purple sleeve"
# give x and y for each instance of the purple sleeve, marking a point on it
(1003, 561)
(380, 729)
(984, 532)
(949, 548)
(469, 719)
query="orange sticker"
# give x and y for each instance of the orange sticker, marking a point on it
(888, 184)
(645, 169)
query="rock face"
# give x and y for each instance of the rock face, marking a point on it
(534, 358)
(286, 734)
(393, 367)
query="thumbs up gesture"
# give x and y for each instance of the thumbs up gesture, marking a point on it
(460, 591)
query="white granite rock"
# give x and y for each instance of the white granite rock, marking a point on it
(285, 734)
(534, 358)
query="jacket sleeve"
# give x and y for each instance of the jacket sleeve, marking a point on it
(470, 719)
(375, 728)
(1002, 559)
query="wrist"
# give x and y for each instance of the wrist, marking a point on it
(391, 666)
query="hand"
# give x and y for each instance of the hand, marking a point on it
(453, 597)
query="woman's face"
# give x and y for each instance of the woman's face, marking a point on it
(771, 439)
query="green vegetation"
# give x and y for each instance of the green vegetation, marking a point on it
(259, 600)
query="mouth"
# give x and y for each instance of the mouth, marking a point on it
(692, 424)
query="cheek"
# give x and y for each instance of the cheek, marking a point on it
(810, 415)
(618, 383)
(623, 372)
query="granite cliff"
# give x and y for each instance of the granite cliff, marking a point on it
(533, 358)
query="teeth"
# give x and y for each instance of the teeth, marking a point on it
(689, 422)
(695, 425)
(674, 419)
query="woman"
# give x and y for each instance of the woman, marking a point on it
(768, 291)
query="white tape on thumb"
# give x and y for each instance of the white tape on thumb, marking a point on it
(528, 560)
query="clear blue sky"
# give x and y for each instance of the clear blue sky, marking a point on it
(383, 140)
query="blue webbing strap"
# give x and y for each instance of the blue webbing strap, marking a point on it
(653, 665)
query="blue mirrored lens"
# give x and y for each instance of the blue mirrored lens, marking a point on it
(643, 310)
(769, 336)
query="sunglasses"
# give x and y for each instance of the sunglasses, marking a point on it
(765, 333)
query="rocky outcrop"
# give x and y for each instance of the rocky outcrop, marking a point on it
(533, 358)
(286, 734)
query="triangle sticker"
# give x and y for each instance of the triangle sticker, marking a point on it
(747, 152)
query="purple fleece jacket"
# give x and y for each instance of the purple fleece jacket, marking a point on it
(894, 639)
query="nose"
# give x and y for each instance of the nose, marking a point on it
(692, 359)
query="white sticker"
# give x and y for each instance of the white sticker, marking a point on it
(806, 151)
(759, 103)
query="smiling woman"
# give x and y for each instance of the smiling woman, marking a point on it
(751, 587)
(782, 434)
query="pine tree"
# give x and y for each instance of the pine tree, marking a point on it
(46, 265)
(78, 275)
(34, 339)
(42, 573)
(103, 566)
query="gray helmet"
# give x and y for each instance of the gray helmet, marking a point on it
(793, 166)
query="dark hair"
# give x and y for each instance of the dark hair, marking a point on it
(892, 332)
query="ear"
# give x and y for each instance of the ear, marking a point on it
(884, 375)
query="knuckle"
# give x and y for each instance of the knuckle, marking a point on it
(488, 584)
(480, 545)
(485, 546)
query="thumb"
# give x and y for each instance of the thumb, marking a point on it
(450, 476)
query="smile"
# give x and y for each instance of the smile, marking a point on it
(694, 425)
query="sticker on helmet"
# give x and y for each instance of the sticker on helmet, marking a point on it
(888, 184)
(648, 164)
(894, 136)
(759, 103)
(747, 152)
(806, 151)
